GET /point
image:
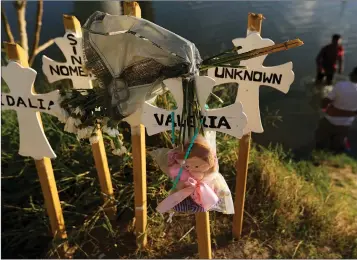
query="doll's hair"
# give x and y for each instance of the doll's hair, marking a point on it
(200, 149)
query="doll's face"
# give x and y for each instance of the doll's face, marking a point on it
(197, 167)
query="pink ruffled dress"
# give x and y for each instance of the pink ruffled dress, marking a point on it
(174, 168)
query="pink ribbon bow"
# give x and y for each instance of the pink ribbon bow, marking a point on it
(203, 195)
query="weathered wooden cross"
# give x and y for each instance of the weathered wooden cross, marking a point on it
(279, 77)
(27, 104)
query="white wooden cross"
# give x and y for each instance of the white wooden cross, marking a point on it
(250, 79)
(71, 47)
(230, 119)
(27, 104)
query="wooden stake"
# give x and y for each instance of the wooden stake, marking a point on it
(139, 160)
(132, 8)
(105, 181)
(254, 25)
(203, 235)
(44, 167)
(139, 171)
(52, 202)
(71, 23)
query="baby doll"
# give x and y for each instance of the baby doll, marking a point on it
(200, 162)
(200, 168)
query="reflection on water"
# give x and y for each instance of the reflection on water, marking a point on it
(213, 25)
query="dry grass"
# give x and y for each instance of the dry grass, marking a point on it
(294, 209)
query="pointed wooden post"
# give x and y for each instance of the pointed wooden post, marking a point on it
(44, 168)
(139, 171)
(132, 9)
(72, 24)
(203, 235)
(254, 25)
(139, 160)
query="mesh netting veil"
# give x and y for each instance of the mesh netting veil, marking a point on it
(131, 56)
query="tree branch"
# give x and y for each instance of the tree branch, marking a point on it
(6, 24)
(44, 46)
(36, 40)
(20, 6)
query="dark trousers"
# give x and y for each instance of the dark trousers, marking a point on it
(331, 137)
(328, 74)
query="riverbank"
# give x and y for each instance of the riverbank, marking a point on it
(294, 209)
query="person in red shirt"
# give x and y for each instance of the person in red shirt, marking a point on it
(328, 58)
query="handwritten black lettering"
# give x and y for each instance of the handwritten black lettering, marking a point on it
(169, 120)
(8, 99)
(266, 79)
(277, 78)
(223, 122)
(229, 73)
(20, 101)
(81, 72)
(51, 103)
(159, 121)
(64, 71)
(218, 75)
(37, 103)
(212, 121)
(74, 50)
(76, 59)
(72, 39)
(237, 73)
(179, 121)
(41, 106)
(246, 75)
(54, 70)
(73, 70)
(259, 78)
(30, 104)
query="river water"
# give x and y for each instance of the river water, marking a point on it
(213, 25)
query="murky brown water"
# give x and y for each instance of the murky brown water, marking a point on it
(213, 25)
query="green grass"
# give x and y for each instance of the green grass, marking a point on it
(293, 209)
(337, 161)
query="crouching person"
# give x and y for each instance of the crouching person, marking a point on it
(340, 107)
